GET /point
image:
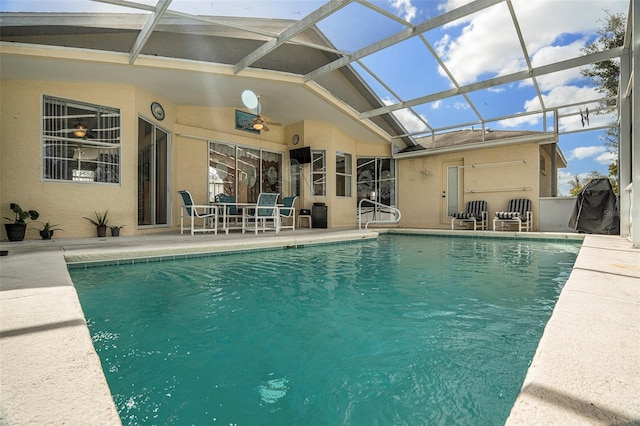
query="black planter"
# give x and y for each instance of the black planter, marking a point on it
(102, 231)
(46, 235)
(115, 232)
(15, 231)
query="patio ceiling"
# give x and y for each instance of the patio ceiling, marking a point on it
(299, 57)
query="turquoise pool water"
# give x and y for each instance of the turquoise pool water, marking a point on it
(399, 330)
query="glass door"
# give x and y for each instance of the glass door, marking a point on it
(153, 175)
(451, 189)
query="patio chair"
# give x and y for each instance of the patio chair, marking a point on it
(476, 213)
(518, 212)
(205, 213)
(264, 210)
(230, 212)
(288, 211)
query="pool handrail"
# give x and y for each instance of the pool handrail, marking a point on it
(375, 204)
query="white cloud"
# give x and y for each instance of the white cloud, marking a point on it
(565, 178)
(461, 106)
(405, 7)
(564, 182)
(517, 122)
(606, 158)
(408, 119)
(583, 152)
(488, 44)
(436, 104)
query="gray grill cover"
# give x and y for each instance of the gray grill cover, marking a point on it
(596, 210)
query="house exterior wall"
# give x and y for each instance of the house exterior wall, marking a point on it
(321, 136)
(546, 173)
(421, 182)
(62, 203)
(67, 203)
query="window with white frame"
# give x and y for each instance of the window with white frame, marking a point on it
(318, 173)
(343, 174)
(80, 142)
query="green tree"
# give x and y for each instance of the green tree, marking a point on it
(605, 76)
(577, 183)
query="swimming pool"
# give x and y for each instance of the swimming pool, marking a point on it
(398, 330)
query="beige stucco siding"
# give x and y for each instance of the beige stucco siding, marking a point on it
(62, 203)
(419, 179)
(500, 175)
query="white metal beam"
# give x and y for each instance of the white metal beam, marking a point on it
(634, 125)
(525, 52)
(306, 22)
(218, 22)
(436, 22)
(497, 81)
(147, 29)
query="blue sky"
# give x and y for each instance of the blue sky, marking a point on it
(477, 47)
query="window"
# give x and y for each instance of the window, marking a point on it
(243, 172)
(81, 142)
(318, 173)
(377, 180)
(343, 174)
(271, 172)
(295, 171)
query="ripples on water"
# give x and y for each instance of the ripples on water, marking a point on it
(400, 330)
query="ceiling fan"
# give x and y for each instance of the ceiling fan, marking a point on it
(252, 101)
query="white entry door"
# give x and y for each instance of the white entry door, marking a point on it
(452, 189)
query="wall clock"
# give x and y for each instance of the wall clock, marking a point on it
(295, 139)
(157, 111)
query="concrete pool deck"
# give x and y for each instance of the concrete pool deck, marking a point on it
(586, 369)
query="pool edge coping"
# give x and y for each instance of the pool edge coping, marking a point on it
(524, 404)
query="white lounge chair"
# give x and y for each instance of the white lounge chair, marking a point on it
(476, 213)
(518, 212)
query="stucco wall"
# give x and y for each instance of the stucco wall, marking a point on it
(421, 182)
(66, 203)
(62, 203)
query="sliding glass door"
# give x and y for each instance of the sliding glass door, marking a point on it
(153, 175)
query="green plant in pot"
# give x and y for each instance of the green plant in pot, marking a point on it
(100, 221)
(115, 230)
(47, 230)
(17, 226)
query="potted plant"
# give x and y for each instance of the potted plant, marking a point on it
(115, 230)
(100, 222)
(18, 225)
(47, 230)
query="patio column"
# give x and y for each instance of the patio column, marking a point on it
(635, 106)
(624, 145)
